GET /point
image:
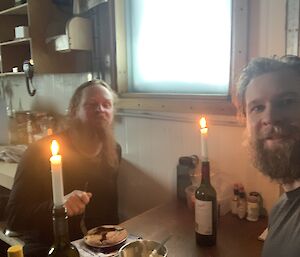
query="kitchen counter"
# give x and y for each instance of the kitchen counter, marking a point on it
(7, 174)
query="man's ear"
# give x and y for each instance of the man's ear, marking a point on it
(72, 112)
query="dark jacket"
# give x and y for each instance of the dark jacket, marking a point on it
(29, 209)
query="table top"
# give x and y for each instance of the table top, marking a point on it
(235, 237)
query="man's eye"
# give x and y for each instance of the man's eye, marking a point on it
(107, 105)
(91, 105)
(257, 109)
(287, 101)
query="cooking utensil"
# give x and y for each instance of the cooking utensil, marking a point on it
(141, 248)
(155, 251)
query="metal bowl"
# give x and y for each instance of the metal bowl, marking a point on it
(142, 248)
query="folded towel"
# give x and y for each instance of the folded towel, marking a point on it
(12, 153)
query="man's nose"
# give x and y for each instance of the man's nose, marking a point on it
(99, 108)
(271, 116)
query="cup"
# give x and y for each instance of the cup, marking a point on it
(142, 248)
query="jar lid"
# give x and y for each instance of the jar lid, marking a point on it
(252, 199)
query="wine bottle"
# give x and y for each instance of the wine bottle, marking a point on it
(62, 246)
(206, 211)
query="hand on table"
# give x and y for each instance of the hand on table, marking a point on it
(76, 201)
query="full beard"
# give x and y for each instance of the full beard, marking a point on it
(105, 132)
(281, 163)
(102, 131)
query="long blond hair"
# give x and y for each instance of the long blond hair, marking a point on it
(110, 151)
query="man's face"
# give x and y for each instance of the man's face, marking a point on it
(272, 104)
(96, 107)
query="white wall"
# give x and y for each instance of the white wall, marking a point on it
(151, 148)
(266, 28)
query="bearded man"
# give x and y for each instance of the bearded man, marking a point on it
(90, 160)
(268, 96)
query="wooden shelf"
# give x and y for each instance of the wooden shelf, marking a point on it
(16, 10)
(19, 73)
(40, 19)
(16, 42)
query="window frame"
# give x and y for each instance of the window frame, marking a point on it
(208, 104)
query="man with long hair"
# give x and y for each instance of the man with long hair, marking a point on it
(90, 160)
(268, 97)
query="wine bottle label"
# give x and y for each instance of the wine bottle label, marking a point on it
(203, 217)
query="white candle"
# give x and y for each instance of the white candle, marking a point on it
(204, 136)
(56, 172)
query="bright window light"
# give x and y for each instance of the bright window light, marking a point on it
(179, 46)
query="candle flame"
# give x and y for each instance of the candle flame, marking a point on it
(202, 123)
(54, 147)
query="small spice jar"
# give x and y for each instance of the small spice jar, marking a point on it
(252, 208)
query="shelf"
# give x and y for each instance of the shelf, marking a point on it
(16, 10)
(38, 16)
(16, 42)
(20, 73)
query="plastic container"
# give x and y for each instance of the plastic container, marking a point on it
(21, 32)
(252, 208)
(15, 251)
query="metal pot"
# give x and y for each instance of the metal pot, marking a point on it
(142, 248)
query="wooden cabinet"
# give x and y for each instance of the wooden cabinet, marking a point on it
(42, 19)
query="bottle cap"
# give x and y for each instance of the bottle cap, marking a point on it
(15, 251)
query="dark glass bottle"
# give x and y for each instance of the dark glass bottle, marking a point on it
(206, 211)
(62, 246)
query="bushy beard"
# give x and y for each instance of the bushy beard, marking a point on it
(281, 163)
(104, 132)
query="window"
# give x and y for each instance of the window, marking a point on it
(173, 47)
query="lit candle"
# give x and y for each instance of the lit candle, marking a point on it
(56, 171)
(204, 134)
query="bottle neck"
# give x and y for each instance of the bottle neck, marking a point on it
(60, 226)
(205, 171)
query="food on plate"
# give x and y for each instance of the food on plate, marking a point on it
(105, 236)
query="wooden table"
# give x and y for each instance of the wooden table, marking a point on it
(236, 238)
